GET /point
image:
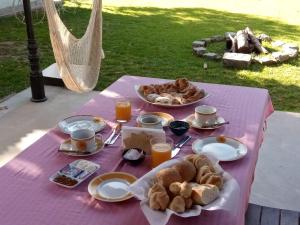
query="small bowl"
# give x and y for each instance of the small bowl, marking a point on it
(137, 156)
(179, 127)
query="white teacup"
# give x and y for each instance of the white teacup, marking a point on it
(83, 139)
(150, 121)
(205, 114)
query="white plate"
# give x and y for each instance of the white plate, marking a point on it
(81, 122)
(191, 120)
(66, 145)
(136, 88)
(229, 150)
(111, 187)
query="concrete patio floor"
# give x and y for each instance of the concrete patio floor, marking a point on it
(277, 179)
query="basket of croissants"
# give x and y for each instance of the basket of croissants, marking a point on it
(184, 187)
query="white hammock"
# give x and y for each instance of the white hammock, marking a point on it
(78, 60)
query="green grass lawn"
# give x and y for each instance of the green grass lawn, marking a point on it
(156, 42)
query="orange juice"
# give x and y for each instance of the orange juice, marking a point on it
(160, 153)
(123, 111)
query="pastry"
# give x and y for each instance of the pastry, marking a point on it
(177, 204)
(188, 203)
(167, 176)
(163, 100)
(204, 194)
(204, 178)
(185, 190)
(203, 160)
(186, 170)
(215, 179)
(201, 172)
(156, 188)
(159, 201)
(175, 188)
(152, 97)
(172, 93)
(190, 158)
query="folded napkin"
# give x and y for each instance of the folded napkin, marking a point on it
(228, 199)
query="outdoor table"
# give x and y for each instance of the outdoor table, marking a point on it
(28, 198)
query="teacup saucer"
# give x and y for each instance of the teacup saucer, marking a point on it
(67, 147)
(193, 123)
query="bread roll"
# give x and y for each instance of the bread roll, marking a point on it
(204, 179)
(188, 203)
(203, 160)
(167, 176)
(190, 158)
(186, 170)
(215, 179)
(185, 190)
(159, 201)
(201, 172)
(156, 188)
(175, 188)
(204, 194)
(177, 204)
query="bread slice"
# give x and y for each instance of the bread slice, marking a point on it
(204, 194)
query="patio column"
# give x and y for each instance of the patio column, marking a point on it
(36, 77)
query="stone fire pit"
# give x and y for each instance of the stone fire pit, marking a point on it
(244, 48)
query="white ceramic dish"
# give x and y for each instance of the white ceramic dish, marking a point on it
(81, 122)
(66, 145)
(136, 88)
(112, 187)
(166, 118)
(79, 170)
(193, 123)
(228, 149)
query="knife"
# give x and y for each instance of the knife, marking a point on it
(214, 125)
(109, 139)
(179, 145)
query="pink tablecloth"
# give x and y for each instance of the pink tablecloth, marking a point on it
(28, 198)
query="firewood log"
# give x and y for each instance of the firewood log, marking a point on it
(242, 41)
(255, 41)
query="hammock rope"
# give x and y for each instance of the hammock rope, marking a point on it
(78, 60)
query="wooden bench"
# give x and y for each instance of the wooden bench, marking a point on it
(260, 215)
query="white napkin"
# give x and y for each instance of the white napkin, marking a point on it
(227, 200)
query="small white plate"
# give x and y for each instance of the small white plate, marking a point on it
(66, 145)
(228, 149)
(111, 187)
(136, 88)
(81, 122)
(193, 123)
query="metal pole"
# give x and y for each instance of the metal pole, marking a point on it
(36, 77)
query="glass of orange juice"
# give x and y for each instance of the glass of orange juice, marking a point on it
(123, 110)
(161, 149)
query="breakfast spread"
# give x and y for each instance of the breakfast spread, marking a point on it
(193, 181)
(179, 92)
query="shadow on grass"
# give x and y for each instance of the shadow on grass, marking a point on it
(156, 42)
